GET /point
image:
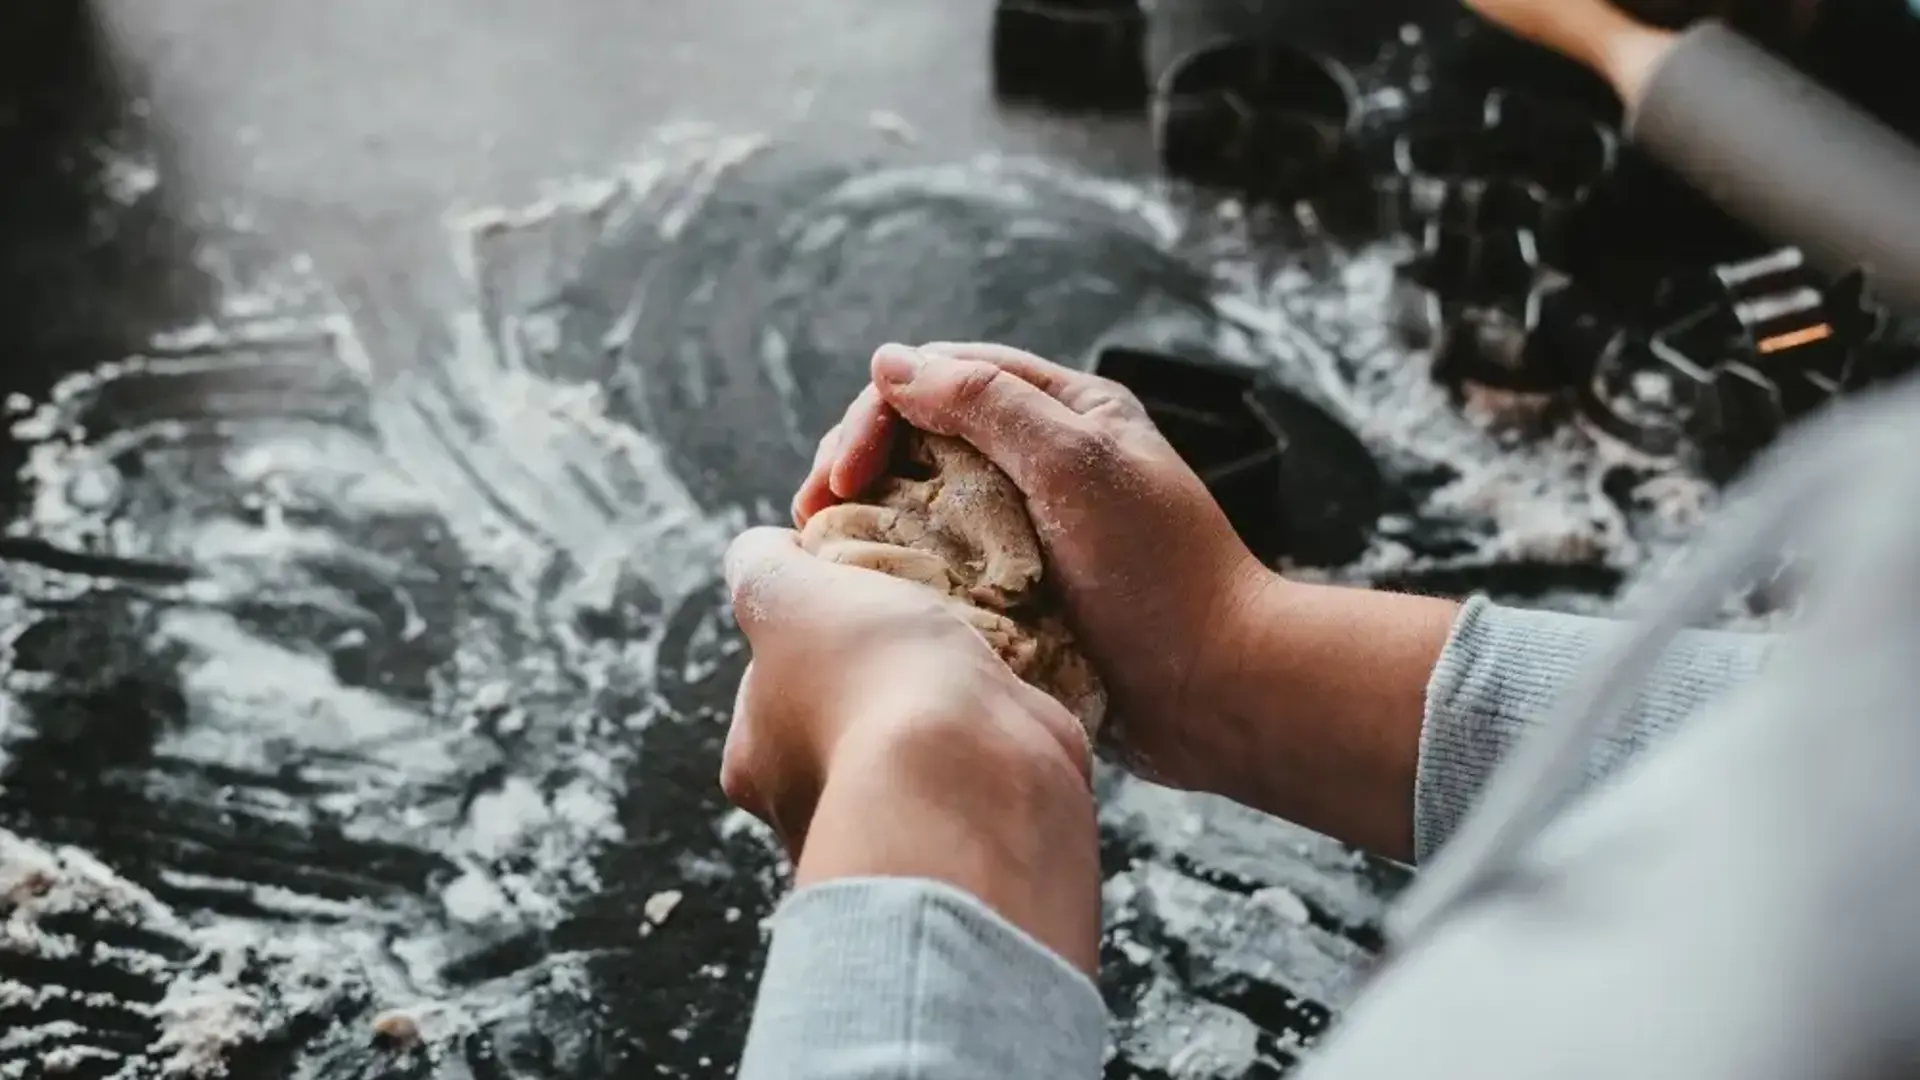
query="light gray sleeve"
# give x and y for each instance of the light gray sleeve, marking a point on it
(1501, 672)
(883, 979)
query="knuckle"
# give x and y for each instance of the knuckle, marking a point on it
(1104, 393)
(974, 383)
(1093, 448)
(740, 583)
(746, 592)
(1073, 455)
(735, 783)
(754, 574)
(1109, 389)
(1128, 401)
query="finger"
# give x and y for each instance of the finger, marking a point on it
(1018, 426)
(1050, 377)
(814, 495)
(736, 757)
(868, 445)
(870, 422)
(751, 774)
(1081, 391)
(790, 843)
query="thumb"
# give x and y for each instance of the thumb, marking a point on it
(1017, 425)
(768, 575)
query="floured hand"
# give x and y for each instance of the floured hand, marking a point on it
(947, 518)
(879, 736)
(1144, 565)
(1301, 700)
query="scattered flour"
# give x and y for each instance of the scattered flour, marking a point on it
(660, 907)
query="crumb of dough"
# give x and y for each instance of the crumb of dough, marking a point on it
(397, 1028)
(952, 521)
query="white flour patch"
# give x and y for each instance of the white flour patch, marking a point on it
(280, 530)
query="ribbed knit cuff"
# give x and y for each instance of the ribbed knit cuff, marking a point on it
(883, 977)
(1502, 674)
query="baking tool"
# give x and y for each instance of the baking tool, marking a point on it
(1642, 393)
(1546, 149)
(1762, 140)
(1263, 119)
(1552, 341)
(1294, 481)
(1206, 411)
(1777, 314)
(1071, 53)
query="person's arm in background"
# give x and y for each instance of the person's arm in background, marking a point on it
(1862, 48)
(1373, 717)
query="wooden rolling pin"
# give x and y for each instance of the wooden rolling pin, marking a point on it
(1759, 138)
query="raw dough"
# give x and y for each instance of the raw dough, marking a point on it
(952, 521)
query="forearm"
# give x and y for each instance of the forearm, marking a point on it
(1377, 717)
(1322, 708)
(974, 804)
(946, 919)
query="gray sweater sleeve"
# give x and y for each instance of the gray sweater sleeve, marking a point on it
(886, 979)
(1500, 674)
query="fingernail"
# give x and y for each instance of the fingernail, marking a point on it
(897, 364)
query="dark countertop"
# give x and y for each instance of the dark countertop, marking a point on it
(387, 380)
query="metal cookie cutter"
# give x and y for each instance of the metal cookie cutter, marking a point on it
(1072, 53)
(1776, 315)
(1292, 479)
(1739, 412)
(1644, 394)
(1478, 296)
(1760, 343)
(1553, 154)
(1783, 341)
(1553, 340)
(1207, 412)
(1480, 247)
(1263, 119)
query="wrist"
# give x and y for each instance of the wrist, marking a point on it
(990, 718)
(1321, 706)
(1242, 688)
(982, 799)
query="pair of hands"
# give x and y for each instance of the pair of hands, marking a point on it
(1153, 576)
(876, 731)
(1304, 701)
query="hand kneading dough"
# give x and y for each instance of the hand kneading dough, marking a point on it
(958, 525)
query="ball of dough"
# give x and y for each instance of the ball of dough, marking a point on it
(949, 519)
